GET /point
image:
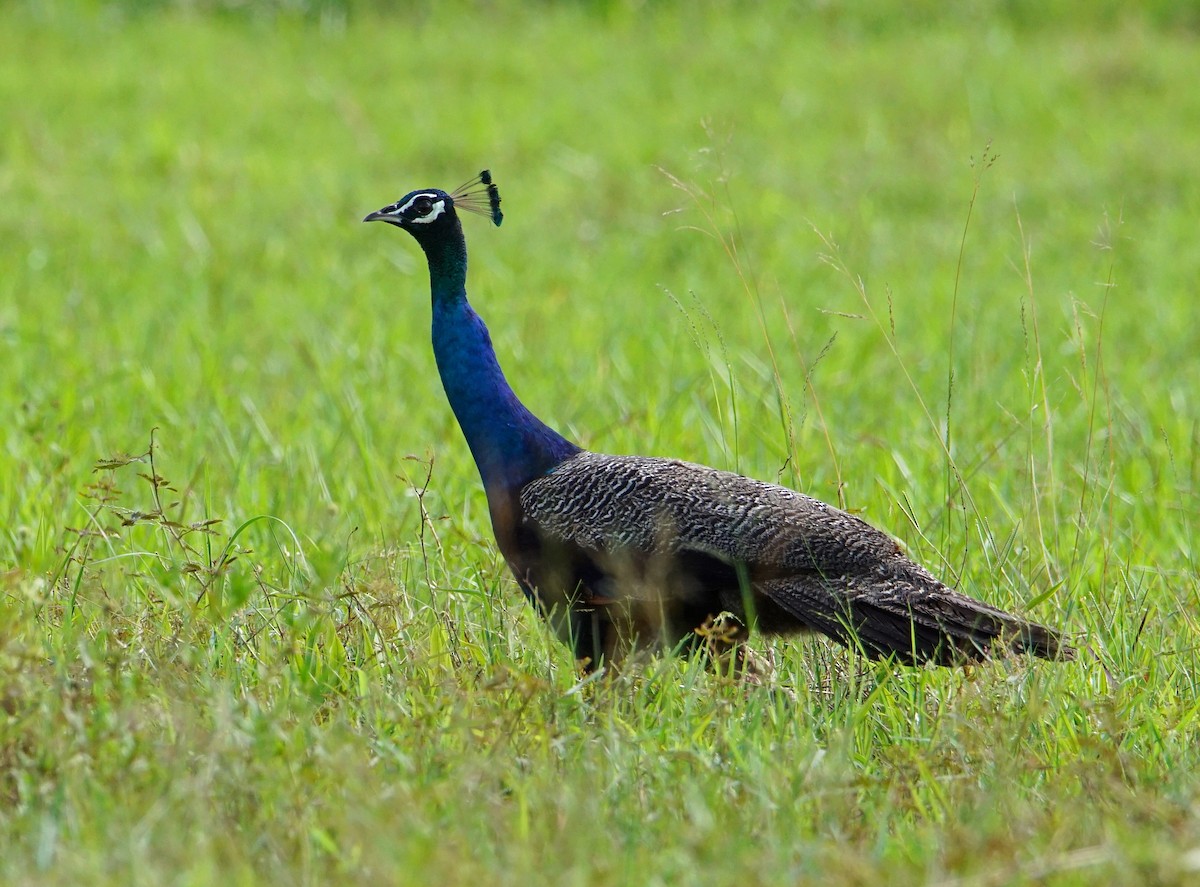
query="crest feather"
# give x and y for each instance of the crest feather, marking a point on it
(480, 196)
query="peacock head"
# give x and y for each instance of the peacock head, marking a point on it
(430, 211)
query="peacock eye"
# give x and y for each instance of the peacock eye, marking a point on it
(423, 205)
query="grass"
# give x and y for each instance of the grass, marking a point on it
(942, 272)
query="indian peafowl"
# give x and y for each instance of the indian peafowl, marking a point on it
(630, 552)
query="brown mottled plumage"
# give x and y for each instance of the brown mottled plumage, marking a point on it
(644, 551)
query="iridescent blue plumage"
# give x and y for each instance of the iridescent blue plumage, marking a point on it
(510, 445)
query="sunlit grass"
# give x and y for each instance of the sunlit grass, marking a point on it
(942, 274)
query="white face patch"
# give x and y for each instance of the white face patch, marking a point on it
(439, 207)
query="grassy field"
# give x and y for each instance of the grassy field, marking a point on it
(253, 629)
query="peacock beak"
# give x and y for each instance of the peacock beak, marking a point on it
(380, 216)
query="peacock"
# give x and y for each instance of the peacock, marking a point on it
(636, 553)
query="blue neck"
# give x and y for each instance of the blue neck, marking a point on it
(511, 446)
